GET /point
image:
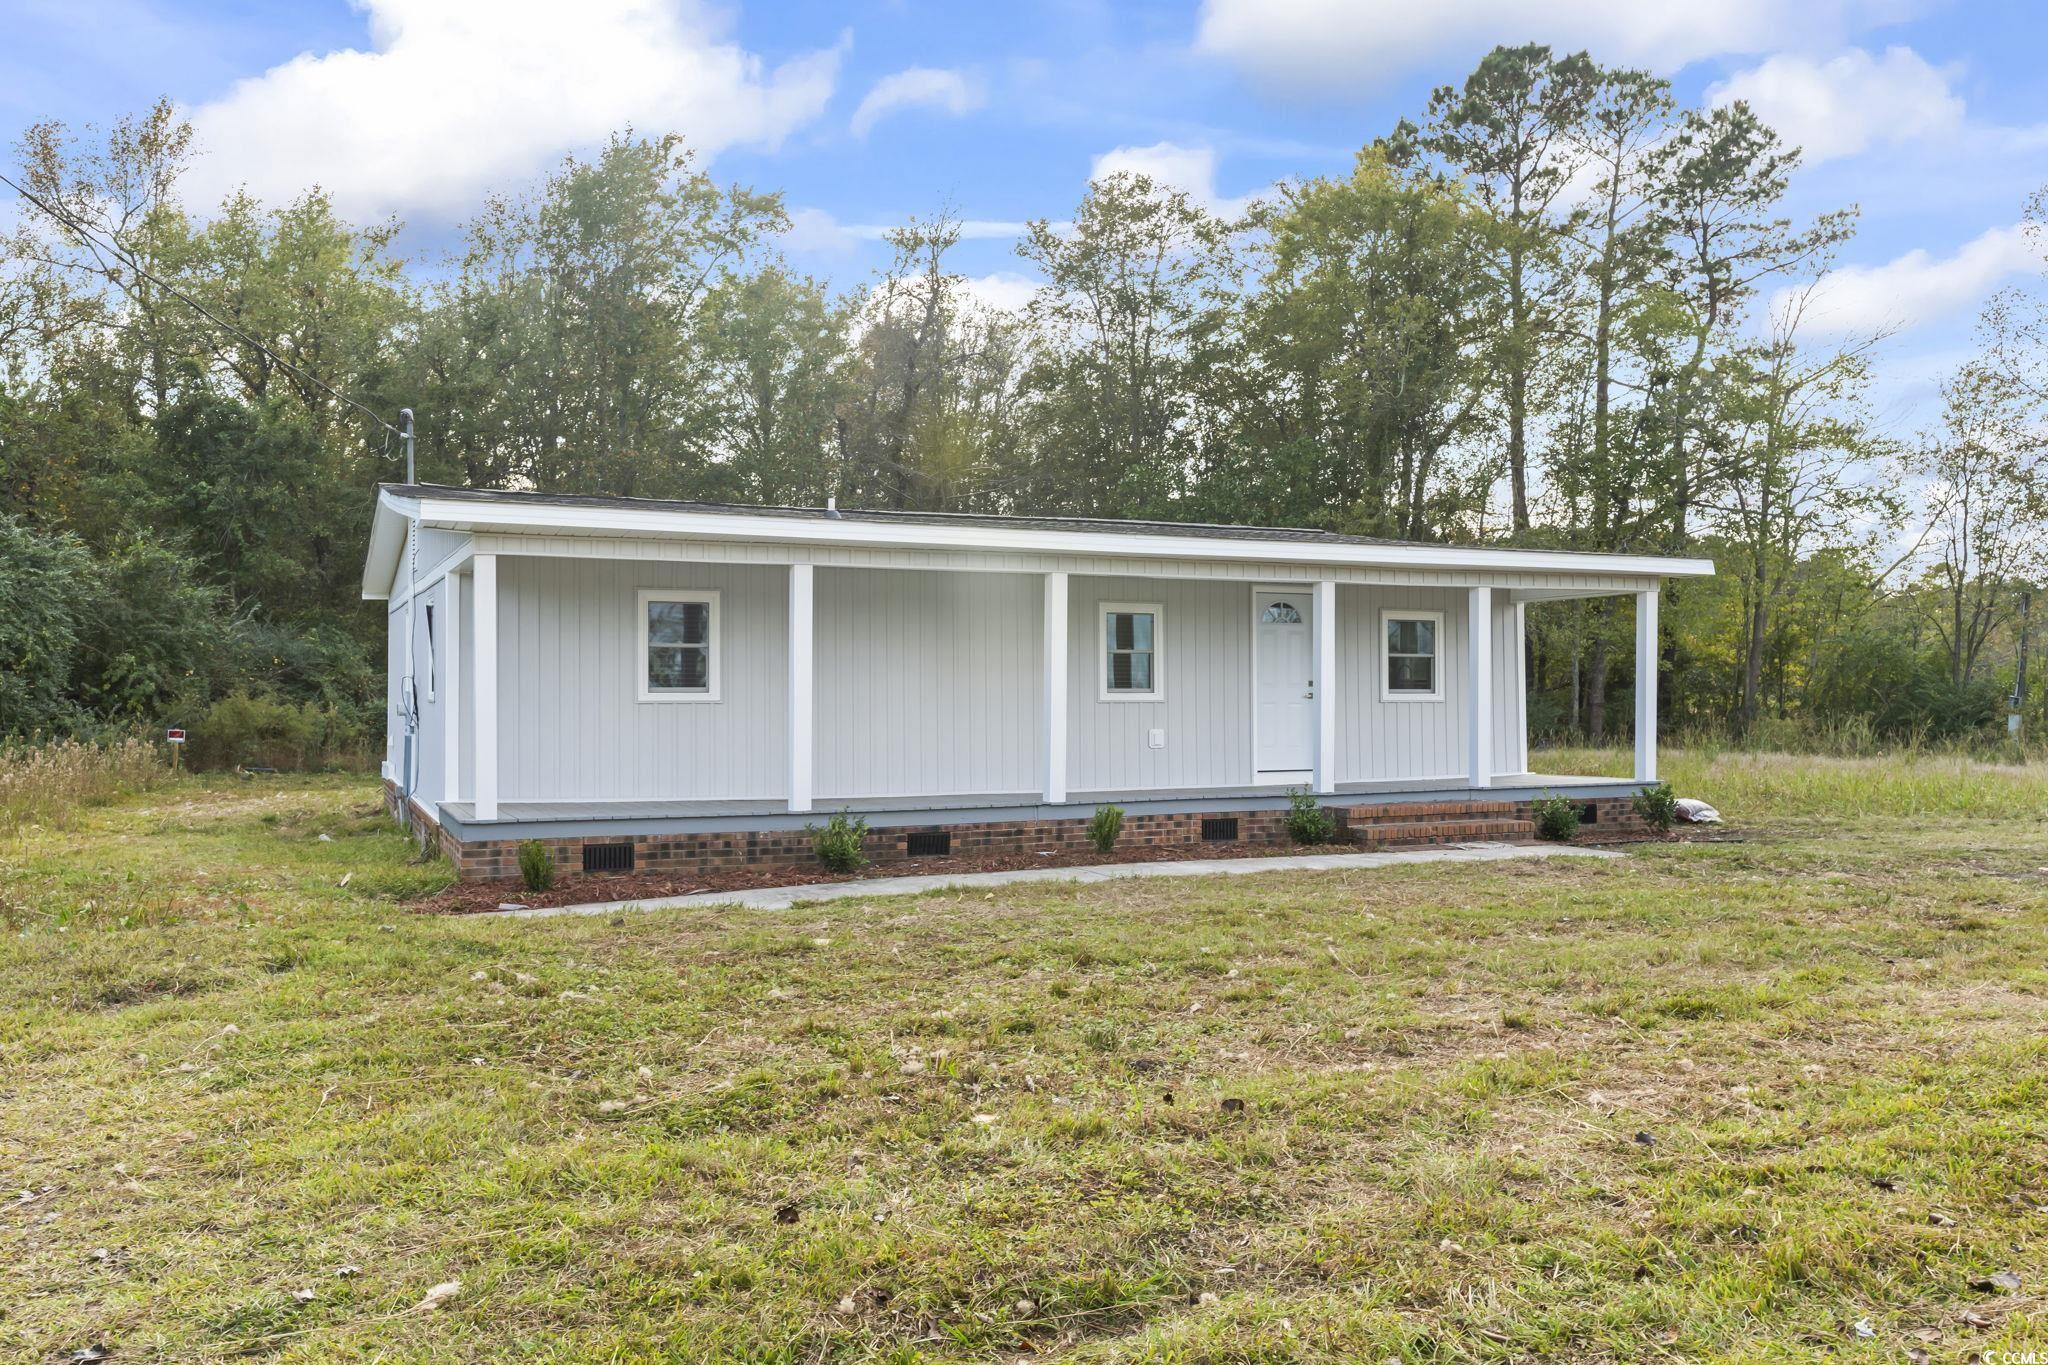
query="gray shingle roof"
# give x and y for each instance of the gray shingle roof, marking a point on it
(1102, 525)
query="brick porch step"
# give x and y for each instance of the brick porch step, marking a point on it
(1413, 812)
(1402, 833)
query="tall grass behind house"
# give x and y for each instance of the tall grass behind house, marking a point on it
(42, 783)
(1748, 787)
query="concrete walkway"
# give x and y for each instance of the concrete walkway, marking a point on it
(782, 897)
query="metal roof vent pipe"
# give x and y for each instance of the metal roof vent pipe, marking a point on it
(832, 506)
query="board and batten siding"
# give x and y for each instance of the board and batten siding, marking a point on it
(394, 667)
(437, 547)
(434, 701)
(1204, 665)
(928, 684)
(435, 704)
(1206, 671)
(571, 726)
(1380, 740)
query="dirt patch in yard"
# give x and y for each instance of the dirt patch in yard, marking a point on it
(1684, 834)
(469, 898)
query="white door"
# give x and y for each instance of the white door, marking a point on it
(1285, 738)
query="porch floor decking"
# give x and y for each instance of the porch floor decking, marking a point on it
(538, 817)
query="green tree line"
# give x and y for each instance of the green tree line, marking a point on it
(1555, 308)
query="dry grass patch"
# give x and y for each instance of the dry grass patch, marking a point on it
(42, 783)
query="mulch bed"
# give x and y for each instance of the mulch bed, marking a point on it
(469, 898)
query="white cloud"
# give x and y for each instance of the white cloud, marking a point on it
(815, 230)
(1005, 289)
(1189, 169)
(1849, 102)
(457, 97)
(971, 229)
(919, 87)
(812, 229)
(1345, 45)
(1917, 287)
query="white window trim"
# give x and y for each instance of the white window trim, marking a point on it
(708, 596)
(1383, 662)
(1102, 688)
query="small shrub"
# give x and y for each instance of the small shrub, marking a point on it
(839, 842)
(1104, 827)
(1307, 821)
(1658, 806)
(536, 865)
(1556, 817)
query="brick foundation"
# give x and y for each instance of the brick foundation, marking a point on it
(1405, 824)
(423, 826)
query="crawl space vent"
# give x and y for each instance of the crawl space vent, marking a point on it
(928, 843)
(607, 857)
(1219, 829)
(1589, 814)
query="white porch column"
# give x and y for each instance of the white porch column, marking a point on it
(1518, 746)
(802, 707)
(1054, 766)
(1479, 685)
(1325, 667)
(485, 572)
(451, 689)
(1646, 686)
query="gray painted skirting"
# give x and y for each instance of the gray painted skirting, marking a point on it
(643, 819)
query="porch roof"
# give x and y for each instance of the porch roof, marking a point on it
(515, 512)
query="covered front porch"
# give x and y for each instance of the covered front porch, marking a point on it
(972, 689)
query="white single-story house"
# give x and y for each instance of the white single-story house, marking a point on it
(669, 684)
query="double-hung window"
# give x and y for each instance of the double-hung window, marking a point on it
(678, 644)
(1130, 651)
(1414, 670)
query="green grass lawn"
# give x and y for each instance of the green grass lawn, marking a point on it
(1785, 1098)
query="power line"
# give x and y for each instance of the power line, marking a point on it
(70, 221)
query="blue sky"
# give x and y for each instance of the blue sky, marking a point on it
(1928, 115)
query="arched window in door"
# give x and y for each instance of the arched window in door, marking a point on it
(1281, 614)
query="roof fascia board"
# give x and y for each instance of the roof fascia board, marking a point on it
(387, 544)
(461, 514)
